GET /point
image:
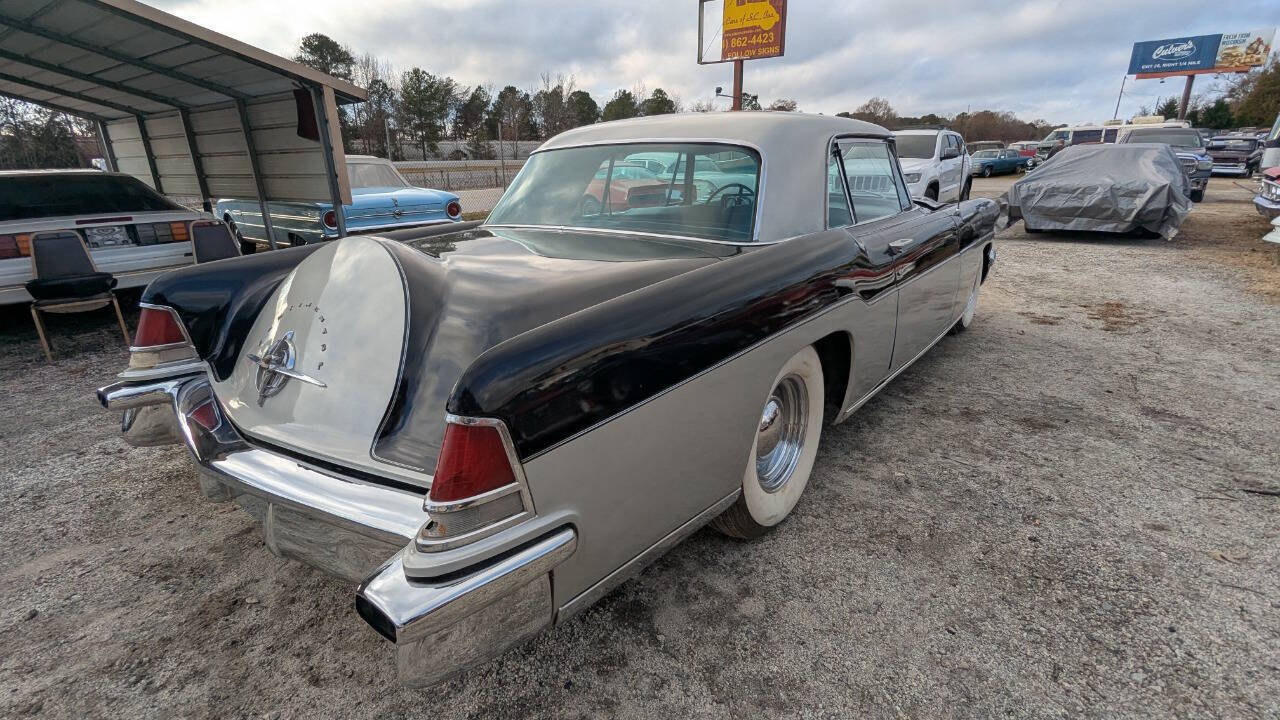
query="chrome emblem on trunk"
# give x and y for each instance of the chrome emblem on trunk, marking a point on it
(276, 365)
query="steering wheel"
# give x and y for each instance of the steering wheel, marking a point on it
(722, 188)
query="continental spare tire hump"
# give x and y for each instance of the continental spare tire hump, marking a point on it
(319, 365)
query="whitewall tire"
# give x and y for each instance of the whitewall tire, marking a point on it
(783, 450)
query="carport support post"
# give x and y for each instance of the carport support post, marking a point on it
(109, 152)
(1186, 97)
(257, 173)
(331, 167)
(151, 156)
(196, 162)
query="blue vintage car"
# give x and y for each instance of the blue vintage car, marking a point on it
(994, 162)
(381, 199)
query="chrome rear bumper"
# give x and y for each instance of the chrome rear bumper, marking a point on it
(357, 530)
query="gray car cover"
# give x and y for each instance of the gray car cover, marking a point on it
(1107, 188)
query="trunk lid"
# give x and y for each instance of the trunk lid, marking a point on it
(378, 332)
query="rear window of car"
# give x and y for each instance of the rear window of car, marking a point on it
(1167, 136)
(24, 197)
(915, 146)
(710, 192)
(373, 175)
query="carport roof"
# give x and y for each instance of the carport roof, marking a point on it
(112, 59)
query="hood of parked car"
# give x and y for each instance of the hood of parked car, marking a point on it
(388, 328)
(915, 165)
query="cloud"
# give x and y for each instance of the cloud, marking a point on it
(1054, 59)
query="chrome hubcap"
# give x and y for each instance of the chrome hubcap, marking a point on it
(780, 436)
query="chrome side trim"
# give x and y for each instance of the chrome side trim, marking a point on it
(637, 564)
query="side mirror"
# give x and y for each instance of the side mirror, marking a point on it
(949, 153)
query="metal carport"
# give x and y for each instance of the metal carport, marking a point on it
(186, 110)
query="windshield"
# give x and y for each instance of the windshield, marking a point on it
(373, 175)
(1233, 145)
(987, 154)
(915, 146)
(1168, 136)
(60, 194)
(1275, 131)
(606, 187)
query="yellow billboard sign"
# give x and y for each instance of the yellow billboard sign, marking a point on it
(753, 29)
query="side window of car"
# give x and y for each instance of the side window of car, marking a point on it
(838, 212)
(869, 170)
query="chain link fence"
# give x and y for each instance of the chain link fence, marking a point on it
(479, 184)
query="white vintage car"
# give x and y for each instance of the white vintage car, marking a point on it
(132, 231)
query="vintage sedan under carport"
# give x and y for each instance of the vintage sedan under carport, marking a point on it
(495, 427)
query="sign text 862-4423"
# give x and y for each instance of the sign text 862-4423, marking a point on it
(753, 29)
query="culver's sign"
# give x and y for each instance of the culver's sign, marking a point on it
(1174, 54)
(1174, 51)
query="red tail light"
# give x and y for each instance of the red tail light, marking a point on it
(473, 461)
(158, 326)
(454, 208)
(331, 219)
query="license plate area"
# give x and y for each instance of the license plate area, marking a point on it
(107, 236)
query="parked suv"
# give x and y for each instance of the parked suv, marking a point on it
(1188, 145)
(934, 164)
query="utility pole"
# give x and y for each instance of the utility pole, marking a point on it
(1186, 98)
(502, 162)
(737, 85)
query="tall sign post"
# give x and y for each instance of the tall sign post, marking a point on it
(1199, 54)
(749, 30)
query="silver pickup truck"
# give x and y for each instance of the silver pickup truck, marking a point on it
(132, 231)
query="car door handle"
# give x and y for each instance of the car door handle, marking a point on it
(898, 246)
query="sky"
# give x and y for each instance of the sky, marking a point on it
(1057, 60)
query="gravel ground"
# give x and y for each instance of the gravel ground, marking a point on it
(1045, 517)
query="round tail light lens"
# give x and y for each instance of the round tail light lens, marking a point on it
(331, 219)
(454, 208)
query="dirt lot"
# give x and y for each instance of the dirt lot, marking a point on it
(1048, 516)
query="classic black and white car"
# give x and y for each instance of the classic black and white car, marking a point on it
(490, 428)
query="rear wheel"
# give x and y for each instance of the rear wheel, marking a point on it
(783, 450)
(931, 193)
(589, 206)
(986, 171)
(966, 190)
(1197, 195)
